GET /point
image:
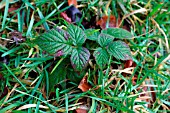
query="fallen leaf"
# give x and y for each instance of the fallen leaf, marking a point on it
(153, 94)
(127, 27)
(72, 2)
(74, 14)
(16, 36)
(128, 63)
(43, 91)
(148, 100)
(84, 86)
(3, 3)
(80, 110)
(52, 95)
(134, 79)
(65, 17)
(12, 9)
(112, 21)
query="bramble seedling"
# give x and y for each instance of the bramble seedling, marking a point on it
(70, 43)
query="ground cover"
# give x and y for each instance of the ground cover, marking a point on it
(82, 56)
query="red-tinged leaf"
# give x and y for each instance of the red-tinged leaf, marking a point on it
(65, 17)
(80, 110)
(72, 2)
(112, 21)
(84, 86)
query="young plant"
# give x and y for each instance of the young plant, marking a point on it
(59, 42)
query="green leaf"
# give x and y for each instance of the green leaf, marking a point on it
(92, 34)
(77, 35)
(58, 75)
(55, 41)
(74, 76)
(79, 58)
(119, 50)
(104, 39)
(118, 33)
(101, 56)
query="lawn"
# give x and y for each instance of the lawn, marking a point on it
(85, 56)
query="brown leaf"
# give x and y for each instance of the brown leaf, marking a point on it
(134, 79)
(12, 9)
(127, 27)
(84, 86)
(128, 63)
(80, 110)
(43, 91)
(72, 2)
(65, 17)
(112, 21)
(153, 94)
(74, 13)
(16, 36)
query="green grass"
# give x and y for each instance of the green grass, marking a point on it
(38, 82)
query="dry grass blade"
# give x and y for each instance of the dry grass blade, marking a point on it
(8, 95)
(161, 30)
(30, 106)
(142, 10)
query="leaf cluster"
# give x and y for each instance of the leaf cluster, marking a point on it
(59, 42)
